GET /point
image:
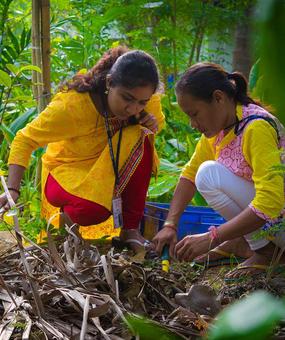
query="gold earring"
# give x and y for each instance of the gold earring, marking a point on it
(107, 91)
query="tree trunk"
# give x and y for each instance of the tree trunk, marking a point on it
(242, 61)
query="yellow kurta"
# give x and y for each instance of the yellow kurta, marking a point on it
(77, 155)
(250, 155)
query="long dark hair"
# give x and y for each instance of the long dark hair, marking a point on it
(128, 68)
(202, 79)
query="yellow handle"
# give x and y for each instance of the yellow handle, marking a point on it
(165, 265)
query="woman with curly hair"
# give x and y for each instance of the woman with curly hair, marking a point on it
(99, 131)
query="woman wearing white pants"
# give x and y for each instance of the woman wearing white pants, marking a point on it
(229, 195)
(231, 165)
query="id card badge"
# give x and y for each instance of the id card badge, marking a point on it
(117, 212)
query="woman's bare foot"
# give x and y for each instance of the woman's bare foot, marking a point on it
(237, 247)
(257, 263)
(135, 240)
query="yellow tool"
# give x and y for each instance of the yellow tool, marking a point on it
(165, 258)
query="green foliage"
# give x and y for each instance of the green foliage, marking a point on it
(272, 29)
(175, 146)
(254, 75)
(149, 330)
(174, 32)
(5, 79)
(254, 317)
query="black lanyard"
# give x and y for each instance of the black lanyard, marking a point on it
(115, 162)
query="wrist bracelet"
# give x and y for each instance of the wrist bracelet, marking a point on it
(170, 225)
(13, 189)
(214, 234)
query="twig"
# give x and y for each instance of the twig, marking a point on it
(4, 285)
(85, 318)
(38, 301)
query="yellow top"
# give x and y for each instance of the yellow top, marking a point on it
(77, 155)
(249, 155)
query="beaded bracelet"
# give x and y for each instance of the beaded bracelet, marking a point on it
(13, 189)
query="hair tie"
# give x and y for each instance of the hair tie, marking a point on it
(230, 76)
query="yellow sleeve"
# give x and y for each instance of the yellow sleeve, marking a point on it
(260, 148)
(154, 107)
(54, 124)
(203, 152)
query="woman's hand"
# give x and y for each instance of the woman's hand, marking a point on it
(166, 236)
(149, 121)
(192, 246)
(4, 205)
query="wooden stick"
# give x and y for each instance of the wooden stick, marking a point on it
(45, 43)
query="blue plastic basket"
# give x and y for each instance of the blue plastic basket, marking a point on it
(194, 220)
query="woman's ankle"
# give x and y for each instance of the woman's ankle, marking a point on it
(268, 251)
(130, 233)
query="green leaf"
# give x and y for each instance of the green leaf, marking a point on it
(12, 53)
(150, 330)
(253, 317)
(23, 39)
(8, 133)
(22, 120)
(28, 37)
(12, 68)
(253, 75)
(199, 200)
(5, 79)
(176, 144)
(30, 68)
(3, 149)
(14, 40)
(164, 184)
(166, 166)
(20, 98)
(7, 56)
(272, 31)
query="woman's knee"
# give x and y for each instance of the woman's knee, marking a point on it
(87, 215)
(206, 175)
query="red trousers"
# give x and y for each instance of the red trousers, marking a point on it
(85, 212)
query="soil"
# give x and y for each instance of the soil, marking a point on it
(7, 241)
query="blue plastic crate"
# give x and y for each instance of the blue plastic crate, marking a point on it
(194, 220)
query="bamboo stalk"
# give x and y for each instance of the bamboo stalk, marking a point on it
(37, 77)
(45, 40)
(35, 45)
(174, 47)
(41, 58)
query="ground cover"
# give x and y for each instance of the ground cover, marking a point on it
(88, 290)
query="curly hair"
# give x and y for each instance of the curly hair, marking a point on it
(95, 78)
(128, 68)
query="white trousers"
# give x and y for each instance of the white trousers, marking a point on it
(229, 195)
